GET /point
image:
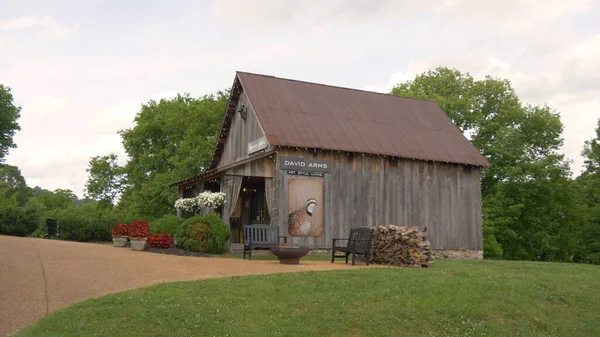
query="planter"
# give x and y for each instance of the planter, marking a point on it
(119, 241)
(138, 244)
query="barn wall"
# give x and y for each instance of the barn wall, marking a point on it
(256, 168)
(241, 133)
(371, 190)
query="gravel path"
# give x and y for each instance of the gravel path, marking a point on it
(40, 276)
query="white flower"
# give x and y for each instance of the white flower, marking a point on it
(204, 199)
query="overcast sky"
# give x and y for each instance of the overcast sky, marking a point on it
(81, 69)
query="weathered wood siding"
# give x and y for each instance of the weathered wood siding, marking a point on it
(241, 133)
(370, 190)
(257, 168)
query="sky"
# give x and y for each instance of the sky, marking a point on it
(81, 69)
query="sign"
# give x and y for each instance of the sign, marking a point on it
(303, 164)
(257, 145)
(307, 174)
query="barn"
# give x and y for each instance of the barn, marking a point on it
(317, 160)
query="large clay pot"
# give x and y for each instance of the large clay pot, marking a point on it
(119, 241)
(138, 244)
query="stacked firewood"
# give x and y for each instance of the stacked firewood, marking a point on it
(401, 246)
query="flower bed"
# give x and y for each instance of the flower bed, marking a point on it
(165, 240)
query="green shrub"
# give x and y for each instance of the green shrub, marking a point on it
(192, 234)
(207, 234)
(72, 226)
(84, 223)
(218, 243)
(168, 223)
(40, 232)
(18, 221)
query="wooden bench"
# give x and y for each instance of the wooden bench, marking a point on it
(359, 243)
(260, 237)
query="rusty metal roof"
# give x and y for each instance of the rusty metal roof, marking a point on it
(303, 114)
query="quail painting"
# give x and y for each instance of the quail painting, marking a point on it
(300, 221)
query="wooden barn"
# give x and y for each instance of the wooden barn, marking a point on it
(318, 160)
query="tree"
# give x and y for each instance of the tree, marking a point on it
(172, 139)
(589, 181)
(16, 218)
(591, 154)
(173, 135)
(106, 180)
(529, 202)
(59, 199)
(14, 183)
(9, 114)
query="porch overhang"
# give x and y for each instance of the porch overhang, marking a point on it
(212, 173)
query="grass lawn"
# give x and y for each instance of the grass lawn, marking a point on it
(457, 298)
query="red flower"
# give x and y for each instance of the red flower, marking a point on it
(139, 229)
(165, 240)
(120, 230)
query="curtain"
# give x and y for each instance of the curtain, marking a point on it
(270, 196)
(235, 193)
(231, 186)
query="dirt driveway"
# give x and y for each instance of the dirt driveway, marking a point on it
(40, 276)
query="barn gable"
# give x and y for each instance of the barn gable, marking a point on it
(240, 119)
(247, 129)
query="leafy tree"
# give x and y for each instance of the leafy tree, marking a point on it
(589, 181)
(59, 199)
(9, 114)
(530, 205)
(172, 139)
(173, 135)
(591, 153)
(106, 180)
(14, 183)
(15, 219)
(152, 200)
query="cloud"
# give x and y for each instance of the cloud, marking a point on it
(48, 28)
(47, 105)
(495, 64)
(509, 16)
(76, 94)
(415, 68)
(26, 22)
(315, 14)
(121, 115)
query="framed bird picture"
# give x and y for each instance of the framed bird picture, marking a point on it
(305, 206)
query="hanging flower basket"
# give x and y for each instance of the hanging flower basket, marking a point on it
(212, 200)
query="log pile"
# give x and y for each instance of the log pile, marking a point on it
(401, 246)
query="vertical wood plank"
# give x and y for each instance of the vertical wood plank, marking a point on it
(364, 190)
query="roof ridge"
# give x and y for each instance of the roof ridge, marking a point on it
(334, 86)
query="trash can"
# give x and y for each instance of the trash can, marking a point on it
(52, 227)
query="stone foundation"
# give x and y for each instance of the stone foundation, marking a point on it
(458, 254)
